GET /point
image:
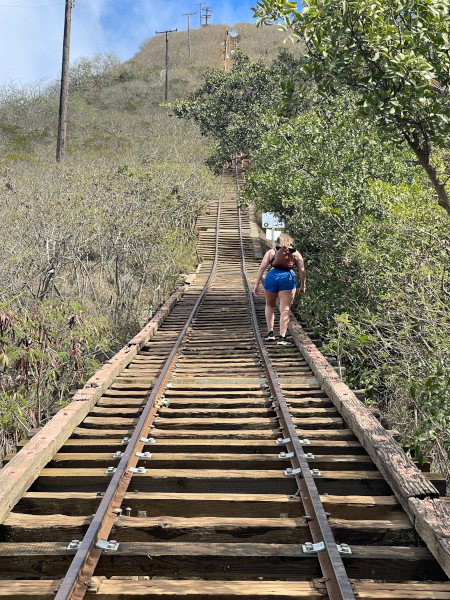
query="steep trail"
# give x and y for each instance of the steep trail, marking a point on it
(214, 510)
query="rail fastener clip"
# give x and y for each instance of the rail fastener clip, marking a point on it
(110, 471)
(310, 548)
(125, 441)
(290, 472)
(147, 440)
(138, 470)
(118, 454)
(309, 456)
(165, 402)
(143, 454)
(305, 442)
(286, 455)
(281, 441)
(316, 473)
(105, 545)
(74, 545)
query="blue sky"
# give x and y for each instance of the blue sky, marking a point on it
(31, 30)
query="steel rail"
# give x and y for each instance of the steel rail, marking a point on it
(77, 579)
(334, 573)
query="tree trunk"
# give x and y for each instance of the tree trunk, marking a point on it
(424, 161)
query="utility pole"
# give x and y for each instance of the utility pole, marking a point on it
(167, 59)
(208, 11)
(200, 4)
(188, 15)
(64, 92)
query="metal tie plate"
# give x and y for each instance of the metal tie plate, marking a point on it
(344, 548)
(310, 548)
(282, 441)
(291, 472)
(138, 470)
(74, 545)
(286, 455)
(105, 545)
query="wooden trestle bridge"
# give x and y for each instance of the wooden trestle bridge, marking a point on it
(201, 462)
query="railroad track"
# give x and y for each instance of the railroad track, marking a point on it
(248, 481)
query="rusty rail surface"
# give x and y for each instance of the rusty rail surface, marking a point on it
(86, 559)
(214, 422)
(334, 573)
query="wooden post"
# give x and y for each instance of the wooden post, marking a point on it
(166, 93)
(64, 93)
(200, 4)
(188, 15)
(208, 11)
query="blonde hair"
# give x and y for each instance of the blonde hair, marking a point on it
(286, 240)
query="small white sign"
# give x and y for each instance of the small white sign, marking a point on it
(269, 220)
(269, 236)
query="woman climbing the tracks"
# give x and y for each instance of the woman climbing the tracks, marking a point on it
(280, 283)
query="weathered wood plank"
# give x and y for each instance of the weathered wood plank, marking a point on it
(432, 522)
(238, 434)
(252, 446)
(402, 591)
(400, 472)
(185, 559)
(197, 460)
(213, 560)
(175, 504)
(125, 589)
(219, 423)
(117, 589)
(32, 528)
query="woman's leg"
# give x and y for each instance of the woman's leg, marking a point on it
(271, 298)
(286, 297)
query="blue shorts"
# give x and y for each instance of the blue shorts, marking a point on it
(278, 280)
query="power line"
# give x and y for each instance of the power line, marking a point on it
(30, 5)
(87, 24)
(142, 27)
(144, 20)
(89, 20)
(108, 43)
(108, 39)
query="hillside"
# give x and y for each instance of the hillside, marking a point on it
(109, 101)
(90, 248)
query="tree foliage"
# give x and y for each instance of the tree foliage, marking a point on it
(227, 103)
(376, 253)
(396, 55)
(44, 354)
